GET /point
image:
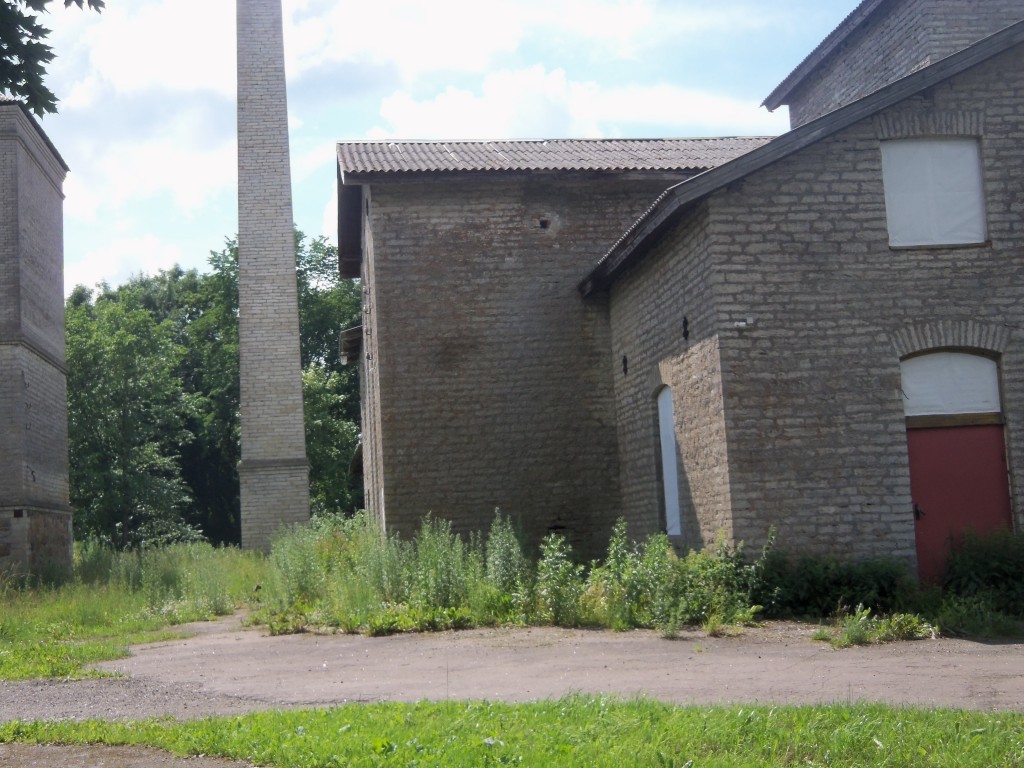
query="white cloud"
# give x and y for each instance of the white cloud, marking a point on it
(462, 36)
(148, 90)
(414, 37)
(121, 259)
(534, 103)
(172, 45)
(80, 201)
(329, 223)
(178, 162)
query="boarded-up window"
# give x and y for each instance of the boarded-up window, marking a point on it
(950, 383)
(933, 192)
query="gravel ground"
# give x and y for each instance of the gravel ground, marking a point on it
(225, 669)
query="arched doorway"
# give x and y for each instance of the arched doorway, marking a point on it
(957, 450)
(669, 462)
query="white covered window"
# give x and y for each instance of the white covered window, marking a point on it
(933, 191)
(669, 462)
(948, 383)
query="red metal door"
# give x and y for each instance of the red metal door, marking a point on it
(959, 483)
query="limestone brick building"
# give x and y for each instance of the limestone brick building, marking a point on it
(35, 514)
(818, 334)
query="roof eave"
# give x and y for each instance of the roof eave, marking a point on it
(825, 48)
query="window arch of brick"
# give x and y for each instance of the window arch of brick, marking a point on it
(967, 335)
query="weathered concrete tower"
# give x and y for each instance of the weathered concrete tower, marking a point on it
(35, 517)
(274, 473)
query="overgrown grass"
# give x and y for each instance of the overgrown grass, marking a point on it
(349, 575)
(114, 600)
(591, 731)
(345, 573)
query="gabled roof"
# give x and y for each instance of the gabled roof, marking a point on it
(358, 159)
(834, 40)
(675, 201)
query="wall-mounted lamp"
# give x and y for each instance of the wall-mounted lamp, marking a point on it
(748, 322)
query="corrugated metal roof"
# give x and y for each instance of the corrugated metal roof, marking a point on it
(374, 157)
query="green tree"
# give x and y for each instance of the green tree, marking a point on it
(331, 441)
(197, 316)
(24, 53)
(202, 309)
(127, 417)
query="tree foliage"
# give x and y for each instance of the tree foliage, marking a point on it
(185, 326)
(24, 53)
(127, 422)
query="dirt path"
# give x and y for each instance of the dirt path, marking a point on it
(225, 669)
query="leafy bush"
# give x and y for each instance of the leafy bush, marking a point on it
(708, 588)
(991, 569)
(816, 585)
(973, 615)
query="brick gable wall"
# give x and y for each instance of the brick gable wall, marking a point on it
(900, 39)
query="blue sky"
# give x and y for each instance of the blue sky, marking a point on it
(147, 90)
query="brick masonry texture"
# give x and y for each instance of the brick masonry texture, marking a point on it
(485, 376)
(35, 515)
(647, 318)
(902, 37)
(810, 392)
(273, 471)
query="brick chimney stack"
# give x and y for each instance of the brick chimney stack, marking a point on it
(273, 472)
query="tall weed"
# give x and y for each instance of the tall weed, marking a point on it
(560, 583)
(505, 595)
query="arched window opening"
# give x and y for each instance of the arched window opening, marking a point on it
(669, 462)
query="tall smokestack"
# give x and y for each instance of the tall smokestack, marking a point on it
(273, 471)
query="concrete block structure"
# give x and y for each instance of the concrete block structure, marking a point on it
(273, 472)
(35, 515)
(817, 334)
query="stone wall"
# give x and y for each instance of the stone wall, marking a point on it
(35, 516)
(811, 388)
(901, 37)
(487, 375)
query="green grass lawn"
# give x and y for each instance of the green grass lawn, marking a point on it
(584, 731)
(117, 600)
